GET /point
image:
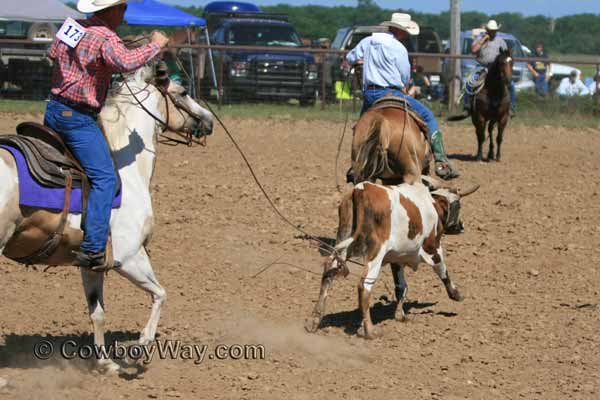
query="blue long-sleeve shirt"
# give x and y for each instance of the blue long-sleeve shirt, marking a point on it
(385, 60)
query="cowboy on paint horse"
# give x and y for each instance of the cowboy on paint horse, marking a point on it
(487, 48)
(386, 70)
(80, 82)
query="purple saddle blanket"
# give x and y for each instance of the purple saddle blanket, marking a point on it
(33, 194)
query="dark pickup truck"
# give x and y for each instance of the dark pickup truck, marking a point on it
(253, 74)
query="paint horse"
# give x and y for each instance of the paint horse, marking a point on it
(135, 113)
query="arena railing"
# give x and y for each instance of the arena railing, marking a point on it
(25, 70)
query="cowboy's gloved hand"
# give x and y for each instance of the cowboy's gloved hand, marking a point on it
(159, 38)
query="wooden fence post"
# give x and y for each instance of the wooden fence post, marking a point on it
(455, 72)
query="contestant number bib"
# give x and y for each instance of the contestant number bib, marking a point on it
(71, 33)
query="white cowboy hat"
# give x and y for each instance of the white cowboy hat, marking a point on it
(404, 22)
(91, 6)
(492, 25)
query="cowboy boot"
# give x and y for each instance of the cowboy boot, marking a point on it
(97, 262)
(443, 167)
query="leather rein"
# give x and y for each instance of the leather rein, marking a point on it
(184, 133)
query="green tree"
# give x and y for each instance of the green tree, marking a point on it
(574, 34)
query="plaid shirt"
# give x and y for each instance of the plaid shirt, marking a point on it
(82, 75)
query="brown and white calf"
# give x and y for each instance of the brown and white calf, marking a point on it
(401, 225)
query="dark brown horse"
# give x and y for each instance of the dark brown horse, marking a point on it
(491, 105)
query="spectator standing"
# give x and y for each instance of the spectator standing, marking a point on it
(594, 86)
(541, 70)
(572, 86)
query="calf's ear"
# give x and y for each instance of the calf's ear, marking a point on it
(441, 205)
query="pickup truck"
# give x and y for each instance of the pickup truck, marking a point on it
(252, 74)
(25, 71)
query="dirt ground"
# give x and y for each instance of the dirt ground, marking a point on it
(527, 265)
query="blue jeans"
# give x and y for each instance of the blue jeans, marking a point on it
(372, 95)
(541, 85)
(513, 95)
(87, 143)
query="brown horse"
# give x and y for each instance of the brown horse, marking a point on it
(388, 144)
(491, 105)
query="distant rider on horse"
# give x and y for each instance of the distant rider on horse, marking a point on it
(386, 70)
(487, 47)
(84, 60)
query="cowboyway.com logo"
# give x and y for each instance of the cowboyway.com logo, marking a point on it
(165, 349)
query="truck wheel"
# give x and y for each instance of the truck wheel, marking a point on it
(41, 31)
(227, 95)
(308, 101)
(3, 74)
(205, 87)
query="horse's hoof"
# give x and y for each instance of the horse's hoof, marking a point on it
(144, 341)
(401, 317)
(311, 325)
(142, 363)
(369, 334)
(108, 367)
(372, 334)
(456, 296)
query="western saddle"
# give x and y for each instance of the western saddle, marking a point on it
(50, 163)
(390, 101)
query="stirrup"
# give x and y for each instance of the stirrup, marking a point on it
(96, 262)
(445, 170)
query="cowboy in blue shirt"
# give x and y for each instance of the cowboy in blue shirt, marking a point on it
(386, 69)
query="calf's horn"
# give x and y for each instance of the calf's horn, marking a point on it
(468, 191)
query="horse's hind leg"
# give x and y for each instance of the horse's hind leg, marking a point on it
(491, 133)
(499, 138)
(139, 271)
(93, 286)
(480, 131)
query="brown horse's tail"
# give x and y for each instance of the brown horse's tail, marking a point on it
(371, 159)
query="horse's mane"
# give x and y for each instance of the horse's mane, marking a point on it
(500, 59)
(117, 86)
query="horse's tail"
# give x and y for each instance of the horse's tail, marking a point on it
(371, 159)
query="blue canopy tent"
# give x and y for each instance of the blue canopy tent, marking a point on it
(151, 12)
(154, 13)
